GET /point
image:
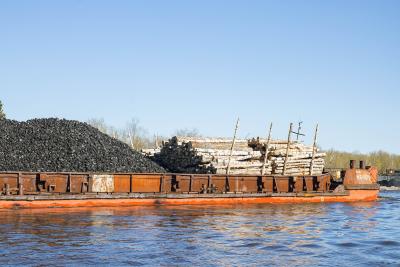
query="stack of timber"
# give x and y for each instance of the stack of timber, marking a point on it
(206, 155)
(301, 159)
(213, 155)
(181, 157)
(150, 152)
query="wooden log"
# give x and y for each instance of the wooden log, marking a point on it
(287, 148)
(214, 156)
(314, 148)
(209, 159)
(239, 164)
(233, 145)
(226, 152)
(266, 150)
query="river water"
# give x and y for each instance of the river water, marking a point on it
(336, 234)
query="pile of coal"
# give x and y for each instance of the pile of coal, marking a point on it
(58, 145)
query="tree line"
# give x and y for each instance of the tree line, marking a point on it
(381, 159)
(138, 138)
(135, 135)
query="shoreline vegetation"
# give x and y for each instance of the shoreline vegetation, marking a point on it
(138, 138)
(382, 160)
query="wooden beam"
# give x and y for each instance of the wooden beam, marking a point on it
(228, 168)
(266, 149)
(314, 150)
(287, 148)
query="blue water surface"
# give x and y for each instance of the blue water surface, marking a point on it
(336, 234)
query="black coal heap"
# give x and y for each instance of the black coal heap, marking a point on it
(58, 145)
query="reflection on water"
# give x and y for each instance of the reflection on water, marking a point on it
(302, 234)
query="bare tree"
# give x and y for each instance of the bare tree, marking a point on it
(115, 133)
(188, 132)
(136, 135)
(99, 124)
(133, 134)
(2, 114)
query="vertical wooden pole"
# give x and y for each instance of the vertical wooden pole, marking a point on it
(228, 167)
(298, 130)
(266, 149)
(314, 150)
(287, 148)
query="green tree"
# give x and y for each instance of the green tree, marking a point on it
(380, 159)
(2, 114)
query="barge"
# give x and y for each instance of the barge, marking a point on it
(50, 190)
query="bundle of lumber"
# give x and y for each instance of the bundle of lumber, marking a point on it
(195, 155)
(150, 152)
(293, 159)
(180, 157)
(215, 155)
(215, 143)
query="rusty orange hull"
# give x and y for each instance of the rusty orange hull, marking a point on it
(50, 190)
(350, 196)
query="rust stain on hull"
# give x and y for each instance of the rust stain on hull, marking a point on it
(354, 195)
(68, 190)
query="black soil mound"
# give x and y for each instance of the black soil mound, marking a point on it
(54, 145)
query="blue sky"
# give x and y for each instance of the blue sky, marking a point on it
(200, 64)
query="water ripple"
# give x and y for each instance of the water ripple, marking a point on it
(355, 234)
